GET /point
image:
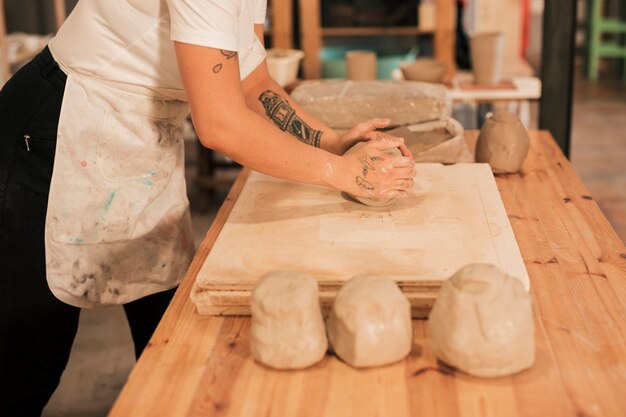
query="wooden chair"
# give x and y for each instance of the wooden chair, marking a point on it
(599, 24)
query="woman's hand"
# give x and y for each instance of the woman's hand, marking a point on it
(360, 133)
(372, 171)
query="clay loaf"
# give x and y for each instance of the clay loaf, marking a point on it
(287, 330)
(344, 104)
(482, 322)
(370, 322)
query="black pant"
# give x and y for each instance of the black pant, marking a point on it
(36, 329)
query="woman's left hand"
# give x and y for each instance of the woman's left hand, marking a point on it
(364, 132)
(360, 133)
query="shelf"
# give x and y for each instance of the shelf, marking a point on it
(374, 31)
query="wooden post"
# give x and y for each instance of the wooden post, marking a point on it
(557, 70)
(59, 13)
(311, 37)
(445, 34)
(282, 24)
(4, 53)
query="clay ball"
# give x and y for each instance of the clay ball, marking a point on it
(482, 323)
(370, 322)
(287, 330)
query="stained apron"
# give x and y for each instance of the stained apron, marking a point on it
(118, 225)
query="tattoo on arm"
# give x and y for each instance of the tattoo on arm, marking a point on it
(284, 116)
(228, 54)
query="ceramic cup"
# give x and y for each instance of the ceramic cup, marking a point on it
(361, 65)
(487, 50)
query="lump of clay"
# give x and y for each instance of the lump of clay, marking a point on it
(372, 201)
(503, 143)
(482, 323)
(287, 330)
(370, 322)
(440, 141)
(343, 104)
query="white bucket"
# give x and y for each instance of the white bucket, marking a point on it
(283, 64)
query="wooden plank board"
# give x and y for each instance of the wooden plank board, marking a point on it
(237, 303)
(454, 216)
(199, 365)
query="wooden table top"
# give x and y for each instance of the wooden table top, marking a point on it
(201, 366)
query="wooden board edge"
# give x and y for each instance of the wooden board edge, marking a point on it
(417, 313)
(185, 288)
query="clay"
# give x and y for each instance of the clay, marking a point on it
(287, 330)
(503, 143)
(370, 322)
(344, 104)
(361, 65)
(441, 141)
(482, 323)
(426, 70)
(371, 201)
(487, 51)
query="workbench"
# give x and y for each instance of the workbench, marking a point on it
(201, 366)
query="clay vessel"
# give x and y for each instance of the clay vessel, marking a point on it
(487, 50)
(361, 65)
(427, 70)
(503, 143)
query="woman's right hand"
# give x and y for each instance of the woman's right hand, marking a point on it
(369, 171)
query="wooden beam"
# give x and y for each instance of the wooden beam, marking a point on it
(60, 13)
(311, 37)
(5, 68)
(445, 32)
(557, 70)
(282, 24)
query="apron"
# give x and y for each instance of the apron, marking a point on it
(118, 225)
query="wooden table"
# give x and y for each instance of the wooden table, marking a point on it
(201, 366)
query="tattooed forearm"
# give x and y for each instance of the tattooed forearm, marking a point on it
(284, 116)
(228, 54)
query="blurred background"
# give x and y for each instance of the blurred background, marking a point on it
(562, 67)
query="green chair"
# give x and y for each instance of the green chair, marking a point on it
(598, 26)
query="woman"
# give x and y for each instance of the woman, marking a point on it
(93, 210)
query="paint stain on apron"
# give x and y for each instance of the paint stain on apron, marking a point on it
(118, 225)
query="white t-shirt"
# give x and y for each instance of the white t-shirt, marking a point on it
(130, 41)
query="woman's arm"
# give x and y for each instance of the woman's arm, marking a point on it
(268, 99)
(224, 122)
